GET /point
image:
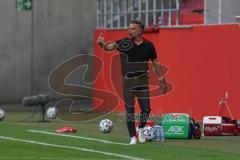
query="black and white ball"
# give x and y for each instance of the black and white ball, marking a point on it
(148, 131)
(106, 126)
(2, 114)
(52, 112)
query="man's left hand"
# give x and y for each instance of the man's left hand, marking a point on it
(164, 87)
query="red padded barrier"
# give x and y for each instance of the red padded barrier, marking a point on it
(202, 64)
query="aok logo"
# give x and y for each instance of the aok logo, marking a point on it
(175, 129)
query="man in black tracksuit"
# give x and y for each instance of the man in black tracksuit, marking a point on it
(135, 52)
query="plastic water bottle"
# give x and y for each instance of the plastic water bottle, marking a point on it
(159, 133)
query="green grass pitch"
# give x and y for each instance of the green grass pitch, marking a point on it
(18, 143)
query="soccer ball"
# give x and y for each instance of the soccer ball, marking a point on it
(106, 126)
(2, 114)
(51, 112)
(148, 131)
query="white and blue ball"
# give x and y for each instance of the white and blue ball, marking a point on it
(148, 131)
(52, 112)
(106, 126)
(2, 114)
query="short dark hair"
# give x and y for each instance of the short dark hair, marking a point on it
(138, 22)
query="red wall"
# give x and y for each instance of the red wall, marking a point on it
(203, 63)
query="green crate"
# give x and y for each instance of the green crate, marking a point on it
(176, 125)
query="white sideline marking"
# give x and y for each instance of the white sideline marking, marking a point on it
(71, 147)
(79, 137)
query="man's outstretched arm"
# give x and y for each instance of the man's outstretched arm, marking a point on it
(107, 46)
